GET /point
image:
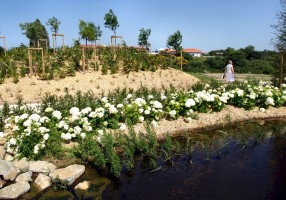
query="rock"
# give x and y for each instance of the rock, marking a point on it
(14, 191)
(83, 185)
(8, 158)
(188, 119)
(41, 166)
(8, 170)
(2, 183)
(22, 165)
(42, 182)
(70, 173)
(25, 177)
(2, 152)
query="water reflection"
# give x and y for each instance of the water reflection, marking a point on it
(243, 161)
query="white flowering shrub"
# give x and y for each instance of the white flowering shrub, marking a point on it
(35, 134)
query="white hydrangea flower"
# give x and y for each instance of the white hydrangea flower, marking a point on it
(86, 110)
(74, 111)
(105, 123)
(49, 109)
(157, 105)
(77, 130)
(150, 96)
(154, 123)
(45, 119)
(122, 127)
(141, 110)
(1, 134)
(112, 109)
(146, 112)
(120, 105)
(27, 123)
(172, 113)
(104, 99)
(262, 110)
(57, 114)
(129, 96)
(100, 132)
(82, 135)
(140, 102)
(189, 103)
(35, 117)
(24, 116)
(163, 97)
(141, 119)
(92, 114)
(13, 141)
(100, 115)
(269, 101)
(46, 136)
(36, 149)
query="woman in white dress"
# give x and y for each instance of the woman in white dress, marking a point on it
(229, 72)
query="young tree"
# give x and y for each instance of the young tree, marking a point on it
(54, 24)
(34, 31)
(143, 37)
(280, 40)
(97, 33)
(175, 41)
(111, 22)
(87, 31)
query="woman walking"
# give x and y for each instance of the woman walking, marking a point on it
(229, 72)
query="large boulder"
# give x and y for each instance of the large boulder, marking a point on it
(14, 191)
(22, 165)
(42, 182)
(25, 177)
(70, 173)
(8, 170)
(41, 166)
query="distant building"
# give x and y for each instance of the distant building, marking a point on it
(194, 52)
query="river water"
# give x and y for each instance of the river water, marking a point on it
(243, 161)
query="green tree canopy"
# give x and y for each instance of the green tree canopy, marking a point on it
(88, 31)
(143, 37)
(175, 41)
(34, 31)
(111, 21)
(54, 24)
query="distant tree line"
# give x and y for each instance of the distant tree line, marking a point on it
(246, 60)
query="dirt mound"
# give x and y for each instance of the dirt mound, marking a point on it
(32, 89)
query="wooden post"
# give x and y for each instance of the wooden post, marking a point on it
(30, 59)
(63, 40)
(30, 62)
(281, 67)
(43, 62)
(83, 59)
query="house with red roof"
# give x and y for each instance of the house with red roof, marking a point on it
(193, 52)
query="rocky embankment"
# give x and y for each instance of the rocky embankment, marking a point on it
(17, 177)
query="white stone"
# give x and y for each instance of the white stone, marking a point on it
(14, 191)
(41, 166)
(42, 182)
(25, 177)
(83, 185)
(22, 165)
(70, 173)
(8, 170)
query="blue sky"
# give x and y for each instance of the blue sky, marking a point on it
(204, 24)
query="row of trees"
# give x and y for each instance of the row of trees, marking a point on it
(90, 32)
